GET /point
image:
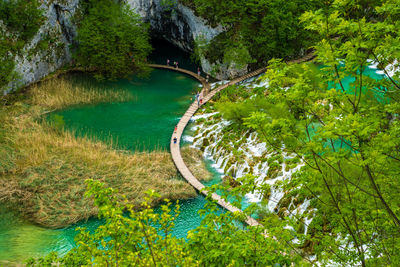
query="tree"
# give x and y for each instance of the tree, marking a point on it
(112, 40)
(127, 237)
(255, 31)
(21, 17)
(143, 238)
(347, 133)
(20, 20)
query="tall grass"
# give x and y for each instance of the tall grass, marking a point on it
(42, 169)
(61, 93)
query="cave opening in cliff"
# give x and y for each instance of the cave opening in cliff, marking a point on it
(164, 50)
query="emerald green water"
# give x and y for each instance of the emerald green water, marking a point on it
(143, 124)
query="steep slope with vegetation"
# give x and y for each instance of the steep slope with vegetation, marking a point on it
(256, 31)
(19, 22)
(112, 40)
(331, 129)
(335, 119)
(40, 37)
(341, 124)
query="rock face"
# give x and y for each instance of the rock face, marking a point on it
(181, 27)
(55, 35)
(178, 25)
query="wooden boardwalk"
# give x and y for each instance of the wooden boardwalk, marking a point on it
(206, 86)
(175, 148)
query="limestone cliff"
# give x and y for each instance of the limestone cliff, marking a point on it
(179, 25)
(49, 49)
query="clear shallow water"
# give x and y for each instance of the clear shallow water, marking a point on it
(143, 124)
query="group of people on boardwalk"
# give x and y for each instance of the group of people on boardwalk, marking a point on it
(199, 99)
(176, 63)
(198, 96)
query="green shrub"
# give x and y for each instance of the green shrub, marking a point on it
(113, 40)
(23, 17)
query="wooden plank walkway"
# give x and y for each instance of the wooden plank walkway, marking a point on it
(206, 86)
(175, 148)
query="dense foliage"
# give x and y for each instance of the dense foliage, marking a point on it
(135, 241)
(112, 39)
(347, 135)
(256, 31)
(19, 22)
(22, 17)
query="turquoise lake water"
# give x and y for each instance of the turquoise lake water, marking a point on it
(144, 124)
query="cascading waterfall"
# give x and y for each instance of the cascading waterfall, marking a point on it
(209, 138)
(209, 131)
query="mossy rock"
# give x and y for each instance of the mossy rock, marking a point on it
(282, 212)
(230, 181)
(205, 133)
(228, 165)
(285, 201)
(233, 171)
(287, 168)
(273, 172)
(223, 162)
(205, 144)
(267, 194)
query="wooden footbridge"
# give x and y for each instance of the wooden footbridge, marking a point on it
(175, 147)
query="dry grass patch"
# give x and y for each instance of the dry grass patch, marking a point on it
(60, 93)
(43, 170)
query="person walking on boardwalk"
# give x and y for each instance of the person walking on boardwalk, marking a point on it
(175, 140)
(198, 99)
(167, 62)
(176, 128)
(198, 72)
(207, 78)
(177, 64)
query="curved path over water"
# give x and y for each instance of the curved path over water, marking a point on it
(175, 147)
(176, 153)
(203, 81)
